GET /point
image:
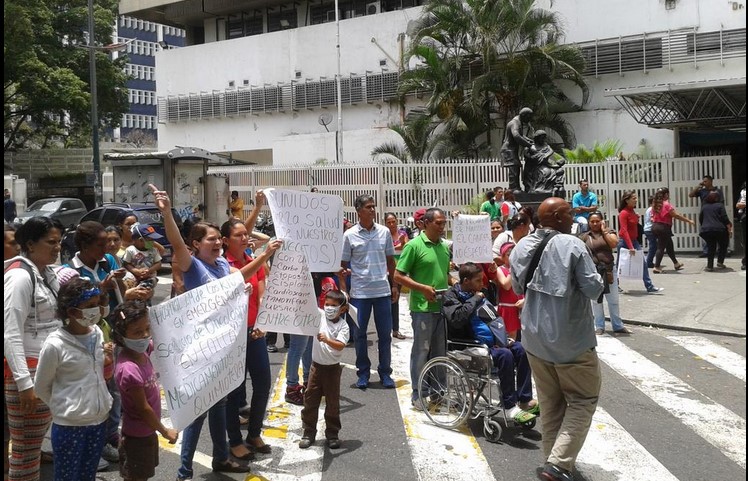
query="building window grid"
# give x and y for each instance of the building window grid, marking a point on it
(377, 87)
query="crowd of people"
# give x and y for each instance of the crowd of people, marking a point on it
(77, 337)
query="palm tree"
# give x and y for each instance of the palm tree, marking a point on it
(488, 58)
(420, 141)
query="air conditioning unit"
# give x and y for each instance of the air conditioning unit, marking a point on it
(373, 8)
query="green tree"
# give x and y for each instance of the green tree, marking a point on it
(420, 141)
(498, 55)
(600, 152)
(46, 72)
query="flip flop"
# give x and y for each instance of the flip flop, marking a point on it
(522, 417)
(531, 408)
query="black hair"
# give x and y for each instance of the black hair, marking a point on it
(707, 176)
(125, 314)
(490, 195)
(122, 216)
(361, 200)
(87, 233)
(337, 296)
(235, 192)
(469, 270)
(70, 293)
(388, 214)
(431, 213)
(34, 229)
(517, 220)
(597, 213)
(114, 228)
(228, 225)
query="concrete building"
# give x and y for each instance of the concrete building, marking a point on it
(257, 78)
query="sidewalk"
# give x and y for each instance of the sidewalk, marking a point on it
(693, 299)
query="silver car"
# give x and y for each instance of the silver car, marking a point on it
(65, 209)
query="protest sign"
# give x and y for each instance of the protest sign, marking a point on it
(200, 340)
(471, 235)
(314, 220)
(289, 304)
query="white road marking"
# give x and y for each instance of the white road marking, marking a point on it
(713, 353)
(610, 453)
(437, 453)
(716, 424)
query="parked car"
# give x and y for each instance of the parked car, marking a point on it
(108, 214)
(65, 209)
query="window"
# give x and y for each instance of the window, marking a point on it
(626, 56)
(713, 42)
(282, 20)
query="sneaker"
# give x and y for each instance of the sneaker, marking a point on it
(103, 465)
(272, 348)
(623, 330)
(599, 332)
(709, 269)
(334, 443)
(387, 381)
(295, 395)
(306, 442)
(721, 266)
(363, 382)
(551, 472)
(655, 290)
(110, 453)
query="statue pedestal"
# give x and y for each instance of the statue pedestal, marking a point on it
(532, 199)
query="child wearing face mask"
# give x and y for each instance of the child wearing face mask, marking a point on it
(142, 259)
(70, 380)
(324, 378)
(139, 388)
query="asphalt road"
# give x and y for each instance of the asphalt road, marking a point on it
(672, 407)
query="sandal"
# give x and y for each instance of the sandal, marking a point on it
(519, 416)
(531, 407)
(657, 270)
(248, 456)
(254, 445)
(678, 266)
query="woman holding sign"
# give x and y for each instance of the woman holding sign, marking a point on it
(204, 266)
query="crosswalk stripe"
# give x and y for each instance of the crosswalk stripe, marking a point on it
(436, 453)
(713, 422)
(713, 353)
(611, 453)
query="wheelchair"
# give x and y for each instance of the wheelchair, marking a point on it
(463, 385)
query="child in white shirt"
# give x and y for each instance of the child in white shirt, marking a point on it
(142, 259)
(324, 379)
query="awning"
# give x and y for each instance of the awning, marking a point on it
(704, 105)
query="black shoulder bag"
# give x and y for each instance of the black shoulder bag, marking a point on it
(536, 258)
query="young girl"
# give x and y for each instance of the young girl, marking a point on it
(70, 380)
(509, 303)
(138, 385)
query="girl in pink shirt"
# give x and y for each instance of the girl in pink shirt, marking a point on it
(663, 214)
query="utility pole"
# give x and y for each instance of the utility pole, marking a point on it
(94, 106)
(339, 131)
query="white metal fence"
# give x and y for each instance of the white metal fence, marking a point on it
(451, 185)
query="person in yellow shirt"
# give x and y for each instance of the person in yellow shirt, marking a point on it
(236, 205)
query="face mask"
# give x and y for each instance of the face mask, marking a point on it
(104, 311)
(149, 245)
(137, 345)
(91, 316)
(332, 312)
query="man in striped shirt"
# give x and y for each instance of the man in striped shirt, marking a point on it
(369, 253)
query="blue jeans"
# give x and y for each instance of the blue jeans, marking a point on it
(77, 450)
(383, 320)
(115, 414)
(505, 360)
(395, 313)
(645, 276)
(429, 341)
(652, 246)
(191, 435)
(258, 367)
(300, 349)
(615, 313)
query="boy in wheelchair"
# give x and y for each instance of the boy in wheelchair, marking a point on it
(468, 316)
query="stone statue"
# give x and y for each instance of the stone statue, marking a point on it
(516, 137)
(542, 173)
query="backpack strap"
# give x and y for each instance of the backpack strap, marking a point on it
(536, 258)
(20, 264)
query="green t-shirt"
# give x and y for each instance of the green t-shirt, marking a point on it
(494, 210)
(426, 263)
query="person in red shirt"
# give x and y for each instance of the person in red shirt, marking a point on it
(628, 221)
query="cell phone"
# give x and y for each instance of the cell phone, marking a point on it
(440, 293)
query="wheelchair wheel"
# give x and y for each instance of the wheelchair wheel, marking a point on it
(492, 431)
(445, 392)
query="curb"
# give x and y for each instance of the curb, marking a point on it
(684, 328)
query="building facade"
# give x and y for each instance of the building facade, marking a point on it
(257, 79)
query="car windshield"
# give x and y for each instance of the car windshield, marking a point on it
(46, 205)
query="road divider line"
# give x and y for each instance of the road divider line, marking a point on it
(711, 352)
(611, 453)
(716, 424)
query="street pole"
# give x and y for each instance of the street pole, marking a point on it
(94, 106)
(339, 132)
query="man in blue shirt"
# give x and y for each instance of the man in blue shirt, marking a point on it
(369, 252)
(9, 206)
(584, 202)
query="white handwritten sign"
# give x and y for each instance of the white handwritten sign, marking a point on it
(472, 239)
(289, 304)
(314, 220)
(200, 340)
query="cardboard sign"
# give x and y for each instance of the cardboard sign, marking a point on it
(313, 220)
(471, 236)
(289, 304)
(200, 340)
